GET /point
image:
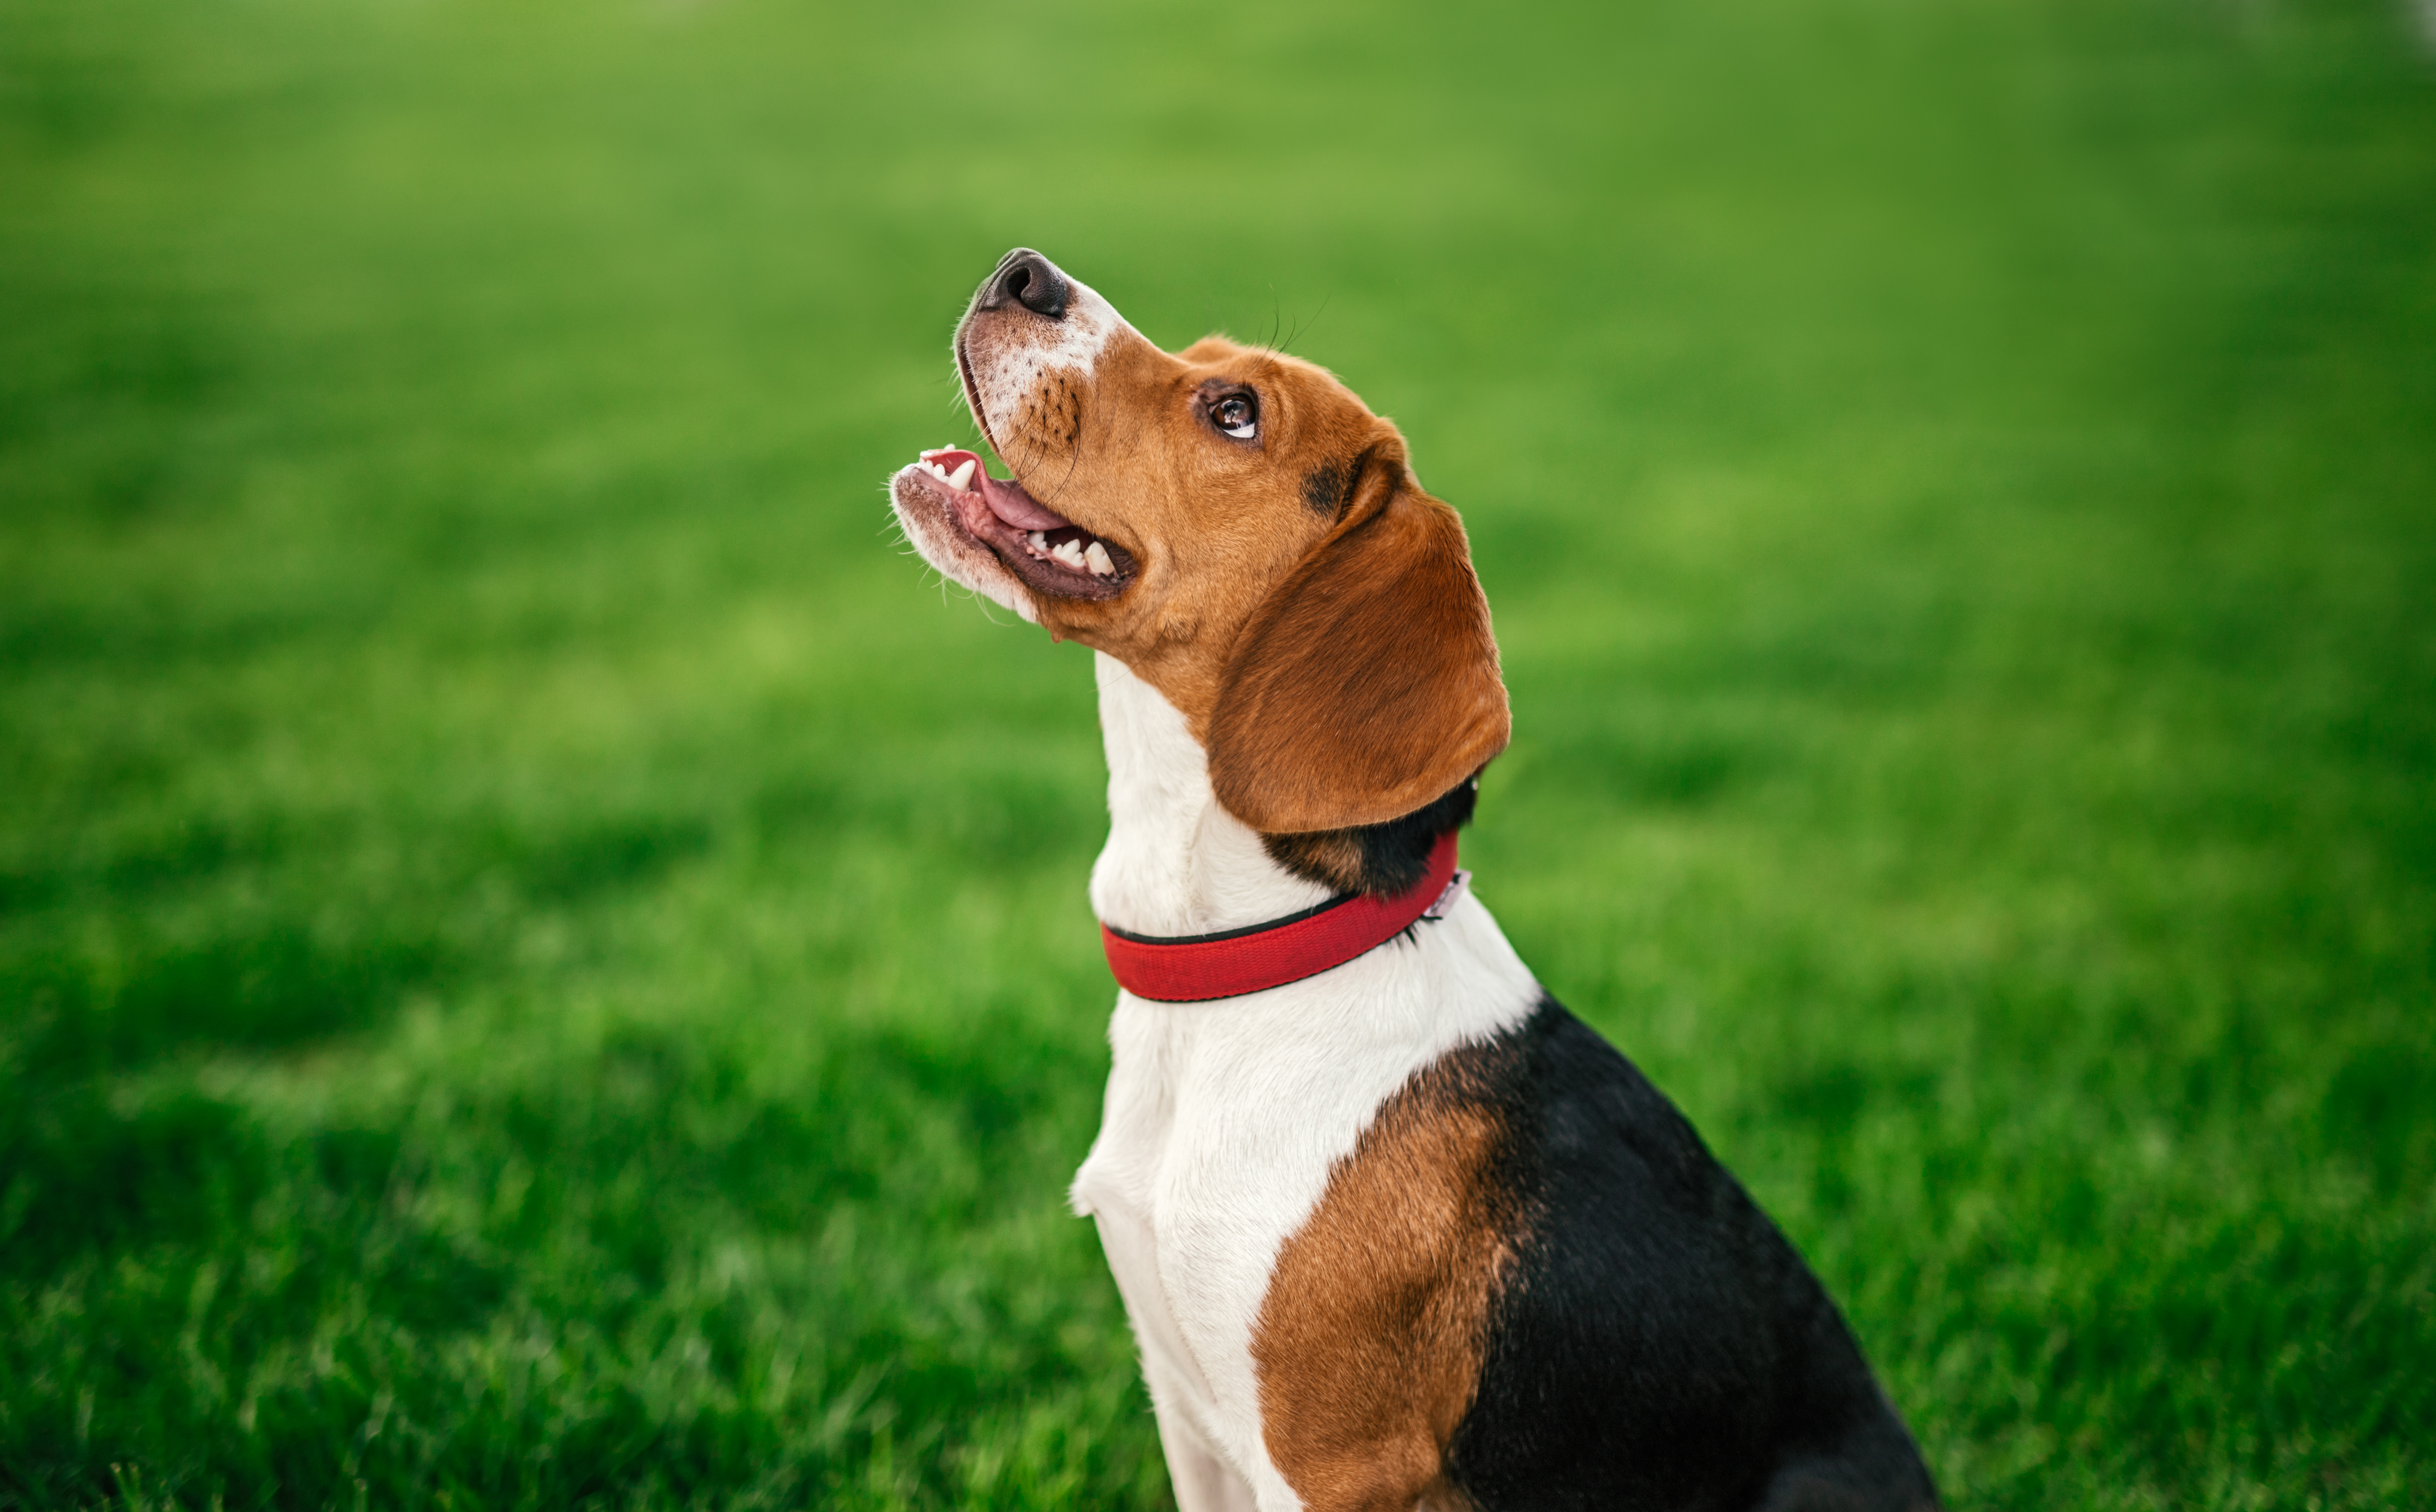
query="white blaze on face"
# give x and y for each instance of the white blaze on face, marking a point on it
(1008, 366)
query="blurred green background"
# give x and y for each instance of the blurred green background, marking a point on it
(544, 963)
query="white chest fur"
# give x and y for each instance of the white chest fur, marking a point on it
(1223, 1119)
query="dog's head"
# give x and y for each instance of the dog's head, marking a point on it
(1237, 528)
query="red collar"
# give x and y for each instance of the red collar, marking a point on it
(1197, 967)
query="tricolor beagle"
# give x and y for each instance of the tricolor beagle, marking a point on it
(1394, 1229)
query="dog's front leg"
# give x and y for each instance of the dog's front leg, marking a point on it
(1204, 1482)
(1203, 1479)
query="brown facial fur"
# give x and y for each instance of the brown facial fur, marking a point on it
(1311, 612)
(1369, 1342)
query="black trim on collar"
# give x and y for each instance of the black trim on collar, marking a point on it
(1263, 927)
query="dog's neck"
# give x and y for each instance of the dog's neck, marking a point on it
(1175, 861)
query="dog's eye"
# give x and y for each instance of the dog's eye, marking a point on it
(1238, 415)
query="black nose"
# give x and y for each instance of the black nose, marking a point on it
(1028, 279)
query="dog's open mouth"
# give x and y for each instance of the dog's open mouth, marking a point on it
(1053, 554)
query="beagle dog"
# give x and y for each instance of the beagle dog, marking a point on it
(1392, 1227)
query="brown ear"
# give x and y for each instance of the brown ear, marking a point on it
(1366, 685)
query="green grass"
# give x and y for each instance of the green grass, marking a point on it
(540, 965)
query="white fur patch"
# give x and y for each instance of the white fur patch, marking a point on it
(1007, 370)
(1223, 1119)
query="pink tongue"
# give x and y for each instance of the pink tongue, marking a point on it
(1009, 502)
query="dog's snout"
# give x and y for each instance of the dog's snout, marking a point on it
(1028, 279)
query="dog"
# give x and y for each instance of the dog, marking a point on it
(1392, 1227)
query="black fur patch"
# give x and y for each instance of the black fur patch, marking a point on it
(1382, 858)
(1655, 1342)
(1323, 489)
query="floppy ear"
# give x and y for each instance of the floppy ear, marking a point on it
(1366, 685)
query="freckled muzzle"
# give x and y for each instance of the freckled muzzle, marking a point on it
(1025, 350)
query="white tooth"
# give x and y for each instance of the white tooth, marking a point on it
(1095, 556)
(936, 471)
(962, 476)
(1071, 553)
(1039, 543)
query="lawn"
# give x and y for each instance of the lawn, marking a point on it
(544, 963)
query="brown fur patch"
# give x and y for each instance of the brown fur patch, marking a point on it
(1369, 1342)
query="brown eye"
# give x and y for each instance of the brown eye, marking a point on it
(1238, 415)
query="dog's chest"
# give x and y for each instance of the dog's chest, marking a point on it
(1224, 1122)
(1198, 1177)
